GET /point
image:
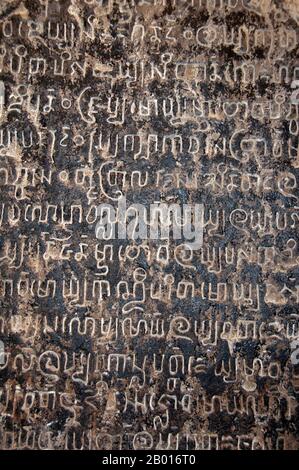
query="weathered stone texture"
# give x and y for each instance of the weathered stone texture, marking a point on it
(131, 344)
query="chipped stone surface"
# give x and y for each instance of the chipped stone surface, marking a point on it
(149, 344)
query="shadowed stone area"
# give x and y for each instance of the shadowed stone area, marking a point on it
(120, 328)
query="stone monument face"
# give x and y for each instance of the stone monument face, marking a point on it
(149, 224)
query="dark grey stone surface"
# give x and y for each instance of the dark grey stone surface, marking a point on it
(148, 344)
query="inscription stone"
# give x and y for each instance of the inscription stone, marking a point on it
(149, 224)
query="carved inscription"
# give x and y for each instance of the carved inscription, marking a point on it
(149, 224)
